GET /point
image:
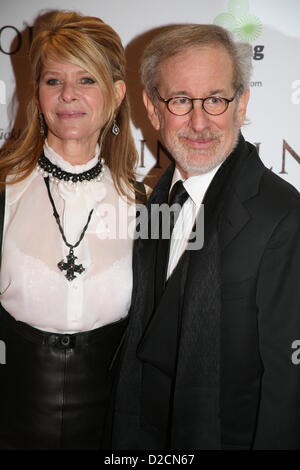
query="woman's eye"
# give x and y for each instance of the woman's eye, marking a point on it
(52, 81)
(87, 81)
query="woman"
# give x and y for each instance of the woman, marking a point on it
(66, 271)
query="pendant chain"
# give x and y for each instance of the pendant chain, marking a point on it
(70, 265)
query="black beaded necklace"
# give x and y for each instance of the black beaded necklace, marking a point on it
(69, 265)
(48, 168)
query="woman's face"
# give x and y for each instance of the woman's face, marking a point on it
(72, 103)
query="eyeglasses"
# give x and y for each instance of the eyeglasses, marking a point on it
(181, 105)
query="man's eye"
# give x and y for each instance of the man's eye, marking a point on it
(87, 81)
(180, 100)
(214, 100)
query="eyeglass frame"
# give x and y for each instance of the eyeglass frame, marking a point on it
(167, 100)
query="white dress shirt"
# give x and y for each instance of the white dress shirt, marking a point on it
(33, 289)
(196, 187)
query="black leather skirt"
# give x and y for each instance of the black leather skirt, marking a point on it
(55, 389)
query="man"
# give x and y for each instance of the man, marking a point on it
(208, 358)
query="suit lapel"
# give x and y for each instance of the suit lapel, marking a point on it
(245, 185)
(158, 344)
(234, 219)
(145, 249)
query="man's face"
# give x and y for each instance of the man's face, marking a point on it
(198, 141)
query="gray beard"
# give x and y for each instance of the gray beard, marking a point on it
(181, 159)
(216, 160)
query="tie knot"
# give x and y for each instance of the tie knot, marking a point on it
(178, 194)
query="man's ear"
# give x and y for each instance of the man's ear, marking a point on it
(151, 111)
(120, 90)
(242, 106)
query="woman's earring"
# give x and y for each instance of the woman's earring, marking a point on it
(42, 127)
(115, 128)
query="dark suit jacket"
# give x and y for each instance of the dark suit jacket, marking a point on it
(259, 389)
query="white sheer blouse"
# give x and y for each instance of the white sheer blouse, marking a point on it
(33, 289)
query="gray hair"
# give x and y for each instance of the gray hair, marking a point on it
(175, 39)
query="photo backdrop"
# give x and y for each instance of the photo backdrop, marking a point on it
(272, 27)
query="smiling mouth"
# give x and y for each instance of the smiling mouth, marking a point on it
(199, 143)
(70, 114)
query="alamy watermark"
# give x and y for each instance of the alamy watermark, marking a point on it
(295, 358)
(2, 352)
(151, 222)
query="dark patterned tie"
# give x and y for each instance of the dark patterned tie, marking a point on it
(178, 195)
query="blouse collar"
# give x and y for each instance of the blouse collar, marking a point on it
(58, 160)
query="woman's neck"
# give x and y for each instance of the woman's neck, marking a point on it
(74, 152)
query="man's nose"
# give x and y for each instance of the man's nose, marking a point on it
(199, 119)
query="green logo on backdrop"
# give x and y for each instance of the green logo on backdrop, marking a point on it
(239, 21)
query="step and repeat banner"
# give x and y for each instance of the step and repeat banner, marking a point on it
(272, 27)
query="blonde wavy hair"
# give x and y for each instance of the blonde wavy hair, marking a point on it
(94, 46)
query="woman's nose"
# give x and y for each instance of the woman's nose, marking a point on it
(69, 92)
